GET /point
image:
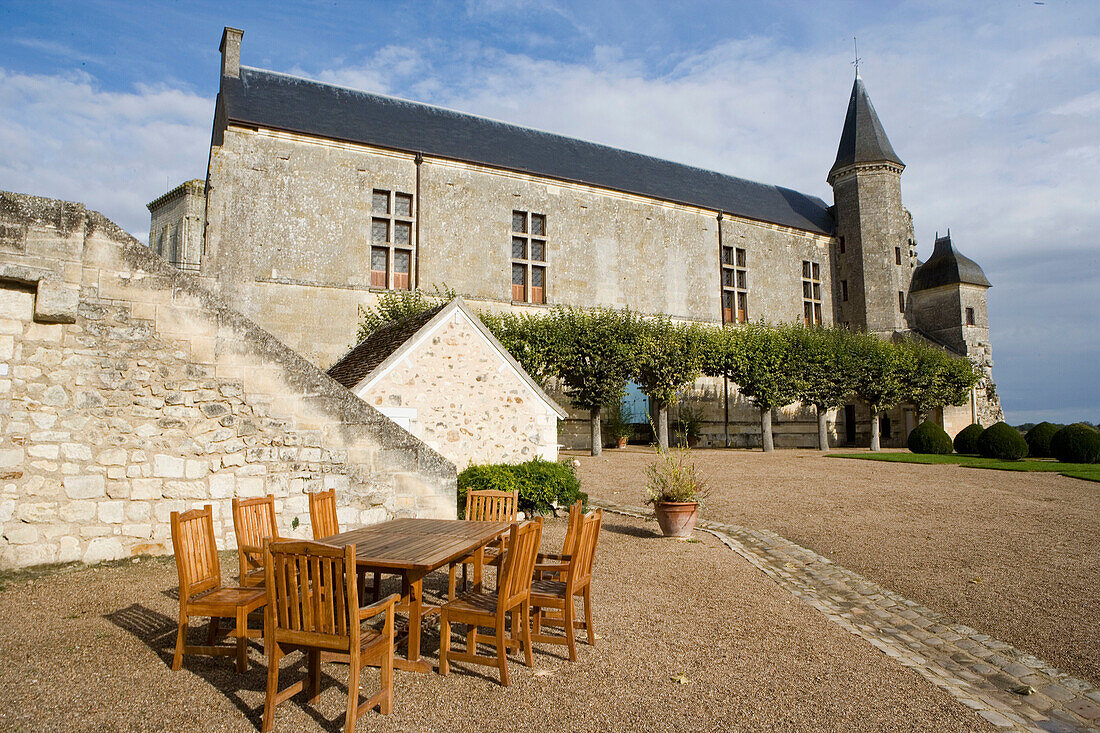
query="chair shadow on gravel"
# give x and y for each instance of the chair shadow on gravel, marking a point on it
(159, 634)
(629, 530)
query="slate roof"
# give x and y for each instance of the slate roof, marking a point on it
(947, 266)
(278, 101)
(863, 140)
(365, 357)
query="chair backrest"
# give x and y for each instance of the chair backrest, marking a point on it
(572, 530)
(580, 567)
(518, 563)
(492, 506)
(322, 514)
(254, 520)
(196, 553)
(312, 594)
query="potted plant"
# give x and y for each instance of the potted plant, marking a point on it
(675, 490)
(688, 421)
(619, 426)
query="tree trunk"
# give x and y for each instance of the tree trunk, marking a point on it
(766, 440)
(597, 437)
(822, 428)
(662, 426)
(875, 443)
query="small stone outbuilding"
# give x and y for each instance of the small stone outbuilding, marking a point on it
(445, 378)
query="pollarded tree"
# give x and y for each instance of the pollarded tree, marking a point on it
(823, 359)
(759, 359)
(669, 356)
(529, 339)
(881, 371)
(592, 353)
(393, 305)
(937, 378)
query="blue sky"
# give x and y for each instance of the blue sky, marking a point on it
(994, 107)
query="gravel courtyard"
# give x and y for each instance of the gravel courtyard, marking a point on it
(1015, 555)
(88, 650)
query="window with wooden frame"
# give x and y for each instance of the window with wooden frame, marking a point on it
(970, 316)
(811, 293)
(392, 245)
(528, 257)
(897, 255)
(901, 301)
(735, 286)
(844, 290)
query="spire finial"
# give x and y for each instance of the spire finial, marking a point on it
(855, 53)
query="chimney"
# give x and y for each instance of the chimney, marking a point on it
(231, 52)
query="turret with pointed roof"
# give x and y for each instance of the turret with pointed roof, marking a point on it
(876, 250)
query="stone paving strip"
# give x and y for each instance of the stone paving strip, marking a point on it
(983, 673)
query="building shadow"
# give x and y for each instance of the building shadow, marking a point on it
(629, 530)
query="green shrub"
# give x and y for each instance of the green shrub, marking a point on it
(540, 484)
(1076, 444)
(928, 437)
(1038, 439)
(966, 442)
(1003, 441)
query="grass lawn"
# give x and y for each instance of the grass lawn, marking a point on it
(1086, 471)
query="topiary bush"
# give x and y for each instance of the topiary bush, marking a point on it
(540, 484)
(966, 442)
(1003, 441)
(928, 437)
(1076, 444)
(1038, 439)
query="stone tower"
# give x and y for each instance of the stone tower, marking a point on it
(947, 305)
(876, 252)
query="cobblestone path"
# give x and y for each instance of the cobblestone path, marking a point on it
(980, 671)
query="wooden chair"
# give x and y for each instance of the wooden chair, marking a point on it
(572, 531)
(477, 609)
(253, 522)
(574, 579)
(484, 506)
(314, 607)
(202, 592)
(323, 520)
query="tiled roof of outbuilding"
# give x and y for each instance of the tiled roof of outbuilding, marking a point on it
(947, 266)
(283, 102)
(365, 357)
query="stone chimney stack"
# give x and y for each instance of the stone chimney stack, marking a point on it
(231, 52)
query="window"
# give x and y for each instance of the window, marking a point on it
(897, 255)
(811, 293)
(970, 316)
(528, 257)
(391, 234)
(735, 286)
(844, 290)
(901, 301)
(842, 245)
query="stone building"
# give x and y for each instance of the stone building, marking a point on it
(128, 391)
(177, 220)
(445, 378)
(320, 197)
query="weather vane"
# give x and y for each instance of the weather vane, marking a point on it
(855, 52)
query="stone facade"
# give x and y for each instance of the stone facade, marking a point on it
(176, 223)
(459, 393)
(147, 395)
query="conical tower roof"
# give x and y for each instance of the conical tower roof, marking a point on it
(947, 266)
(863, 139)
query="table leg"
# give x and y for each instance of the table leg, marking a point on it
(479, 568)
(412, 592)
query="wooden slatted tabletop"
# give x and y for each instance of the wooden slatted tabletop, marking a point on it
(412, 548)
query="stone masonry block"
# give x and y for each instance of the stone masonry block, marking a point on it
(21, 534)
(103, 548)
(146, 489)
(222, 485)
(87, 486)
(165, 466)
(112, 512)
(55, 302)
(11, 457)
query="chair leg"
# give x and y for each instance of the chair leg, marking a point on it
(242, 640)
(451, 572)
(274, 654)
(537, 622)
(502, 651)
(588, 618)
(525, 620)
(181, 641)
(569, 635)
(353, 692)
(444, 643)
(377, 586)
(465, 577)
(212, 631)
(386, 706)
(471, 639)
(314, 676)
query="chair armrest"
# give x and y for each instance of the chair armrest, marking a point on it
(251, 551)
(557, 568)
(553, 556)
(378, 607)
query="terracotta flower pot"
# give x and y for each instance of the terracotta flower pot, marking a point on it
(622, 441)
(677, 518)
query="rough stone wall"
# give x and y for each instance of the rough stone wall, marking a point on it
(468, 407)
(288, 240)
(176, 222)
(149, 395)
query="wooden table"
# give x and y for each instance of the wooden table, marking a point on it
(412, 548)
